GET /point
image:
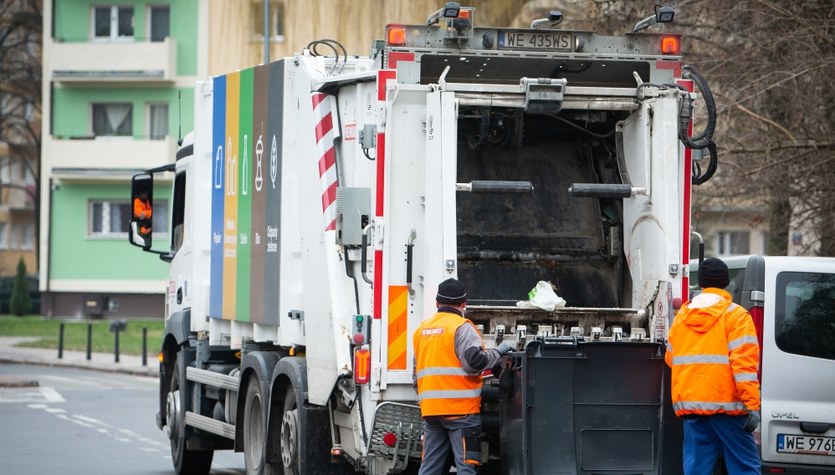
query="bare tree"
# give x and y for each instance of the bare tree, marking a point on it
(20, 89)
(771, 67)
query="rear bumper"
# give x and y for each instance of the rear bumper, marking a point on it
(795, 469)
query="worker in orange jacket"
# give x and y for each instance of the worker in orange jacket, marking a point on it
(449, 359)
(142, 211)
(714, 354)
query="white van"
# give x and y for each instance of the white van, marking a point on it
(792, 302)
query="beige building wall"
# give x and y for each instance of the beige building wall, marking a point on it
(729, 231)
(233, 43)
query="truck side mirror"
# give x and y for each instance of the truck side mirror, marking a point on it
(142, 198)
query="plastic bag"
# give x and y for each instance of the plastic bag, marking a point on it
(543, 296)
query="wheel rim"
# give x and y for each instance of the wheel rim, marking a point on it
(172, 414)
(289, 437)
(255, 429)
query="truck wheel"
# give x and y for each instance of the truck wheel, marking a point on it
(255, 431)
(185, 461)
(290, 434)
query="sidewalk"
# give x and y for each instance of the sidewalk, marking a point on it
(130, 364)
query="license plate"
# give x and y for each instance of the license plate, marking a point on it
(805, 444)
(546, 40)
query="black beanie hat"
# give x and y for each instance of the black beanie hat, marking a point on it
(713, 273)
(452, 292)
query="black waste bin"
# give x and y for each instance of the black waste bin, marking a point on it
(588, 407)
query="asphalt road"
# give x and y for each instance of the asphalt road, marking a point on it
(58, 420)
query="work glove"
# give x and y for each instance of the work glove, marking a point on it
(505, 346)
(752, 421)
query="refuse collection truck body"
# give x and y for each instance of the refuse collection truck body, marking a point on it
(321, 199)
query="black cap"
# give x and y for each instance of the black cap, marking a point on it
(452, 292)
(713, 273)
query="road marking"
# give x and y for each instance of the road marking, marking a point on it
(30, 395)
(75, 421)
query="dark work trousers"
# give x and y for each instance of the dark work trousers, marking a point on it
(462, 433)
(706, 436)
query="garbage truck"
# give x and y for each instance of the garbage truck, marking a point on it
(321, 199)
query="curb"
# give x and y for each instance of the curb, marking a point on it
(150, 372)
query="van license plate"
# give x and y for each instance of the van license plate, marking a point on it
(805, 444)
(548, 41)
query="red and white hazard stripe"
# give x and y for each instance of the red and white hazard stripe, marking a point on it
(327, 129)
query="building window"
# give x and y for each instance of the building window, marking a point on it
(112, 22)
(276, 20)
(159, 22)
(112, 119)
(13, 235)
(4, 235)
(157, 121)
(730, 243)
(112, 218)
(27, 241)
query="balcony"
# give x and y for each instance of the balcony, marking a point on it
(112, 61)
(106, 156)
(17, 196)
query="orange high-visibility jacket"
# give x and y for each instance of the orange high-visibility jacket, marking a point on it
(142, 208)
(444, 387)
(714, 354)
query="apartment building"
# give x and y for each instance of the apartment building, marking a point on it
(19, 129)
(117, 90)
(118, 93)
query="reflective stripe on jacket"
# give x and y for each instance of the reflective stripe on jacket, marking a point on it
(444, 387)
(714, 354)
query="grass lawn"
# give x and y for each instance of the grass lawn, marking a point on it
(75, 334)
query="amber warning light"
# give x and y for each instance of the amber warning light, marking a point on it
(670, 45)
(396, 35)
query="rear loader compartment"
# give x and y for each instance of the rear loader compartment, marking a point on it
(508, 241)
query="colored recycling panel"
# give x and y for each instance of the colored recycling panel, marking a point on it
(244, 202)
(230, 198)
(272, 188)
(218, 192)
(246, 195)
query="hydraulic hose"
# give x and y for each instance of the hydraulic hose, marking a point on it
(697, 177)
(704, 139)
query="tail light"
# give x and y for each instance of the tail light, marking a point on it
(362, 365)
(757, 316)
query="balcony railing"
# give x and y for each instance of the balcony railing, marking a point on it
(107, 61)
(107, 153)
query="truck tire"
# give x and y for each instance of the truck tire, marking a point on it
(255, 432)
(197, 462)
(290, 434)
